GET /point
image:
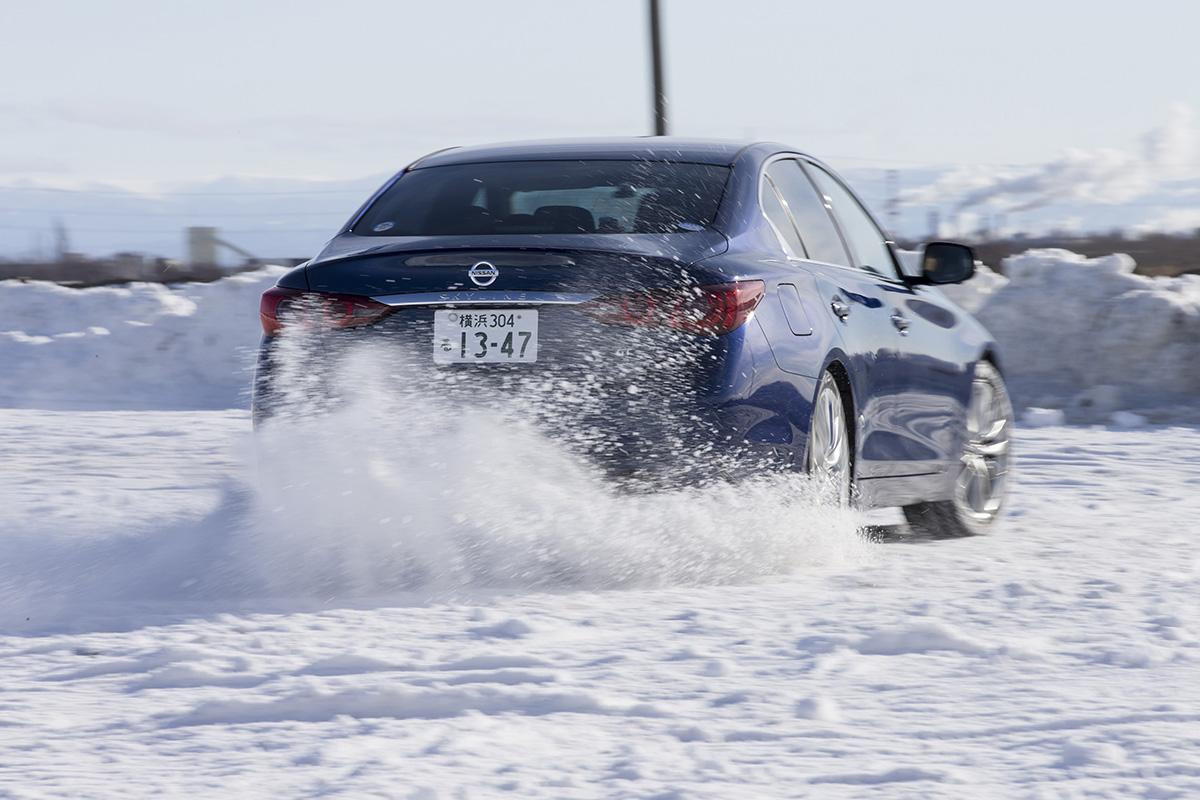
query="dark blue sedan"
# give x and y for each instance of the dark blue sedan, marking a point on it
(676, 309)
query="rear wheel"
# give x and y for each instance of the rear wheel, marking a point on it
(981, 484)
(829, 443)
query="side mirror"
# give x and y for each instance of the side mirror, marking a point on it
(946, 262)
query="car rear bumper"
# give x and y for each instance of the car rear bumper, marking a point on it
(641, 420)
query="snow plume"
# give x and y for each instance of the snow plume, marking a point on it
(1103, 176)
(406, 488)
(399, 491)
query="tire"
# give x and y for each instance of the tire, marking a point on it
(829, 444)
(981, 483)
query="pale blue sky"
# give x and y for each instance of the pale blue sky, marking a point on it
(146, 91)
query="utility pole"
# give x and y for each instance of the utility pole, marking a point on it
(656, 69)
(892, 182)
(62, 241)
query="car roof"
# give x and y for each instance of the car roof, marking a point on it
(648, 148)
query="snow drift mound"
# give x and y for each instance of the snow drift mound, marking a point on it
(144, 345)
(1089, 336)
(1085, 335)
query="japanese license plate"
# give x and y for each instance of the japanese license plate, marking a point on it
(497, 335)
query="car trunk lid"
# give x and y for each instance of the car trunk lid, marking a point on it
(562, 264)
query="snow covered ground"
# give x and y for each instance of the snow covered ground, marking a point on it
(1059, 658)
(376, 609)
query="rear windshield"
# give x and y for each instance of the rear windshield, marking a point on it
(548, 197)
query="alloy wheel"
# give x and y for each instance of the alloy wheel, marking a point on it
(980, 488)
(829, 442)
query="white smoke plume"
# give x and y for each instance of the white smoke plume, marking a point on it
(1102, 176)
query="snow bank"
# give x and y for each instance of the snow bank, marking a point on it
(974, 293)
(144, 345)
(1088, 336)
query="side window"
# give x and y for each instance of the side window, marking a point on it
(820, 237)
(862, 234)
(778, 217)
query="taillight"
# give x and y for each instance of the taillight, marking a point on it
(715, 309)
(279, 307)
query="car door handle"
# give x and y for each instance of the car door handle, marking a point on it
(840, 309)
(901, 322)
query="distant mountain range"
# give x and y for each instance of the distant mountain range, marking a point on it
(283, 218)
(268, 217)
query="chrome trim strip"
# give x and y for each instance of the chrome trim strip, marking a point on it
(476, 298)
